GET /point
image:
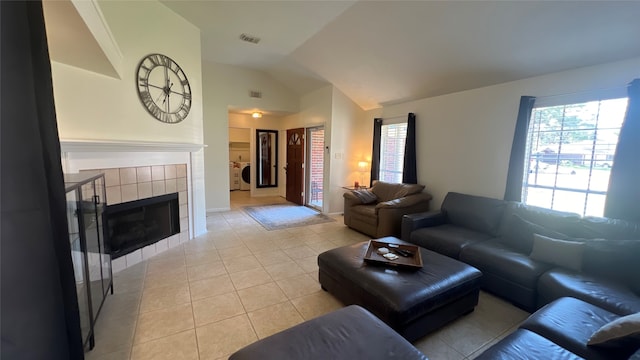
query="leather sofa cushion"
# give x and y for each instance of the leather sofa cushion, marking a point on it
(388, 191)
(345, 334)
(559, 221)
(497, 258)
(570, 323)
(518, 234)
(365, 213)
(526, 345)
(477, 213)
(604, 228)
(447, 239)
(614, 297)
(617, 260)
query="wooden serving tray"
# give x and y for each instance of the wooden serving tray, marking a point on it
(372, 256)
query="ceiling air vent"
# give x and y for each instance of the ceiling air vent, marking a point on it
(255, 94)
(249, 38)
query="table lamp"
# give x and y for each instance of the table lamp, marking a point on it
(362, 168)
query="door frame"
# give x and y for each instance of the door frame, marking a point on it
(308, 168)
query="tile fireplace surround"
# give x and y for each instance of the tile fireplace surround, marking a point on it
(135, 171)
(137, 183)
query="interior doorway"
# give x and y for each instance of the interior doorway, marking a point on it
(315, 168)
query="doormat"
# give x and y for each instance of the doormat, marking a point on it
(282, 216)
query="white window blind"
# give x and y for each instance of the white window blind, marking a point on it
(392, 140)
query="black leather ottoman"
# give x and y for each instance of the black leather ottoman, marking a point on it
(346, 334)
(412, 302)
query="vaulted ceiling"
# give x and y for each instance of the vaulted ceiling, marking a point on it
(385, 52)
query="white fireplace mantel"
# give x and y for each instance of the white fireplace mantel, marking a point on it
(79, 145)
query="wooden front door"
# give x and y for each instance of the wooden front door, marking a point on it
(294, 167)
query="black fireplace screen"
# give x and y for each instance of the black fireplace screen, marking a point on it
(132, 225)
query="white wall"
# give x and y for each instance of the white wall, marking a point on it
(464, 139)
(344, 160)
(227, 87)
(95, 106)
(92, 106)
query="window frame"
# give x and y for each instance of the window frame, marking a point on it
(398, 154)
(567, 102)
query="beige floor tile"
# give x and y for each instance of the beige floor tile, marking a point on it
(212, 286)
(323, 246)
(121, 305)
(465, 336)
(316, 304)
(195, 247)
(272, 257)
(114, 334)
(227, 242)
(179, 346)
(234, 252)
(220, 339)
(165, 265)
(160, 323)
(261, 296)
(288, 242)
(202, 257)
(284, 270)
(164, 297)
(274, 318)
(243, 263)
(261, 246)
(298, 286)
(174, 277)
(203, 271)
(217, 308)
(434, 348)
(300, 252)
(249, 278)
(308, 264)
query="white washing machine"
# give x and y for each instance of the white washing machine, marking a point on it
(245, 176)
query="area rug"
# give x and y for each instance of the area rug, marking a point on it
(282, 216)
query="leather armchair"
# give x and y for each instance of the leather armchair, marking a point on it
(383, 217)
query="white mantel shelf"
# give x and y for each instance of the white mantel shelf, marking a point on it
(75, 145)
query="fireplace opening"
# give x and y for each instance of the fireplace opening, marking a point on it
(133, 225)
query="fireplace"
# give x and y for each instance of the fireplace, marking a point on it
(135, 224)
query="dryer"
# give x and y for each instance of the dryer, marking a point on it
(245, 176)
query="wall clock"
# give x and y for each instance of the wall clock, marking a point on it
(163, 88)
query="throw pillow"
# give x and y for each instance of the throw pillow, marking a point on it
(620, 331)
(365, 196)
(563, 253)
(519, 234)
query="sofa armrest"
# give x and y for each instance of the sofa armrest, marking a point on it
(412, 222)
(350, 199)
(404, 201)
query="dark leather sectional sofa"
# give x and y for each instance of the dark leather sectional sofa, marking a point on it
(599, 281)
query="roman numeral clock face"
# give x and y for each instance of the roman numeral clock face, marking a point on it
(163, 88)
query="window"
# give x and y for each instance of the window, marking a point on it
(392, 141)
(569, 155)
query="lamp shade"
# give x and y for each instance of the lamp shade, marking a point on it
(362, 166)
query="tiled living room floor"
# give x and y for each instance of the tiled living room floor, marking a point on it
(239, 283)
